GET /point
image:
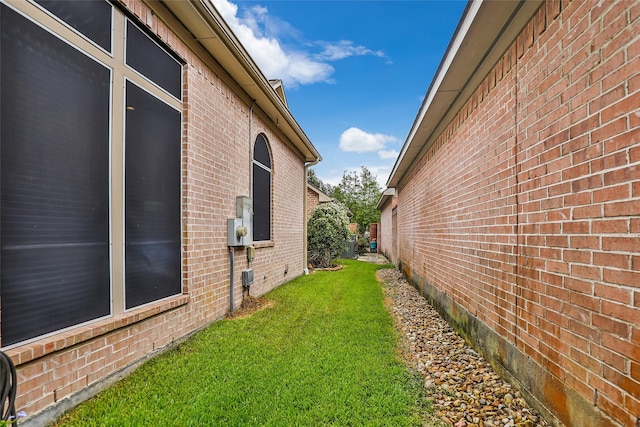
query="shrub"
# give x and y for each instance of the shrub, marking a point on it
(327, 231)
(363, 245)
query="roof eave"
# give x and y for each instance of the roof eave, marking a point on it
(485, 32)
(208, 27)
(322, 196)
(386, 195)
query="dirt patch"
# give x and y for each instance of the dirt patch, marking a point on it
(249, 306)
(332, 268)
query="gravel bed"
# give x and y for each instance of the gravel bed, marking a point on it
(464, 389)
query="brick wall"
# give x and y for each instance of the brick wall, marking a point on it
(522, 221)
(313, 200)
(386, 231)
(215, 169)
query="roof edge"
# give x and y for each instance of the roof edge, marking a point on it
(322, 196)
(484, 33)
(386, 195)
(209, 29)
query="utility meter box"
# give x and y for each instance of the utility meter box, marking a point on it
(239, 229)
(244, 210)
(247, 277)
(236, 232)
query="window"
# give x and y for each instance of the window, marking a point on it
(54, 176)
(92, 18)
(149, 59)
(152, 198)
(261, 190)
(152, 175)
(76, 157)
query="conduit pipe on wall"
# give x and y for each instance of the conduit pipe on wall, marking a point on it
(231, 267)
(250, 192)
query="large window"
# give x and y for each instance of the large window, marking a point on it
(261, 190)
(152, 174)
(54, 176)
(77, 155)
(152, 204)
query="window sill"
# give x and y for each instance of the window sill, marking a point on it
(259, 245)
(34, 350)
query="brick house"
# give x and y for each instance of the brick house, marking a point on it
(315, 197)
(133, 128)
(518, 200)
(387, 237)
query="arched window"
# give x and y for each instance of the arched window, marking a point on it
(261, 190)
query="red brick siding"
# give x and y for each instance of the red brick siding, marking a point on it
(216, 167)
(526, 210)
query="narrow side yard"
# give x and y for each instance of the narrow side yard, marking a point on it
(323, 352)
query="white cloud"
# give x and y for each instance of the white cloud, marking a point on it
(261, 35)
(227, 10)
(344, 49)
(388, 154)
(359, 141)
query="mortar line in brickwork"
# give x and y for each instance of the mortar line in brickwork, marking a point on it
(517, 202)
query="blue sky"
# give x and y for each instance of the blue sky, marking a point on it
(354, 72)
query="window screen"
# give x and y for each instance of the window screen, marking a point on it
(152, 199)
(54, 182)
(149, 59)
(261, 152)
(92, 18)
(261, 190)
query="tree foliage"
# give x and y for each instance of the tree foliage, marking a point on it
(327, 231)
(313, 179)
(360, 194)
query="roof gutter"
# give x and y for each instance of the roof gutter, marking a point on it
(485, 32)
(208, 28)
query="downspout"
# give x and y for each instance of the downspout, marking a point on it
(251, 150)
(304, 214)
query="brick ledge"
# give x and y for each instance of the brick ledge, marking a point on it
(265, 244)
(36, 349)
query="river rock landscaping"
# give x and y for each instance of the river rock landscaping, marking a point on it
(463, 387)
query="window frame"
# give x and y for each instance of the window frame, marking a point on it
(127, 306)
(114, 61)
(269, 169)
(80, 33)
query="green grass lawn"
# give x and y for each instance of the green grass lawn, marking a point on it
(325, 353)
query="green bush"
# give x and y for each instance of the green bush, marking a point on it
(327, 231)
(363, 245)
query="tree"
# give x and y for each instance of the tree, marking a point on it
(327, 232)
(313, 179)
(360, 194)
